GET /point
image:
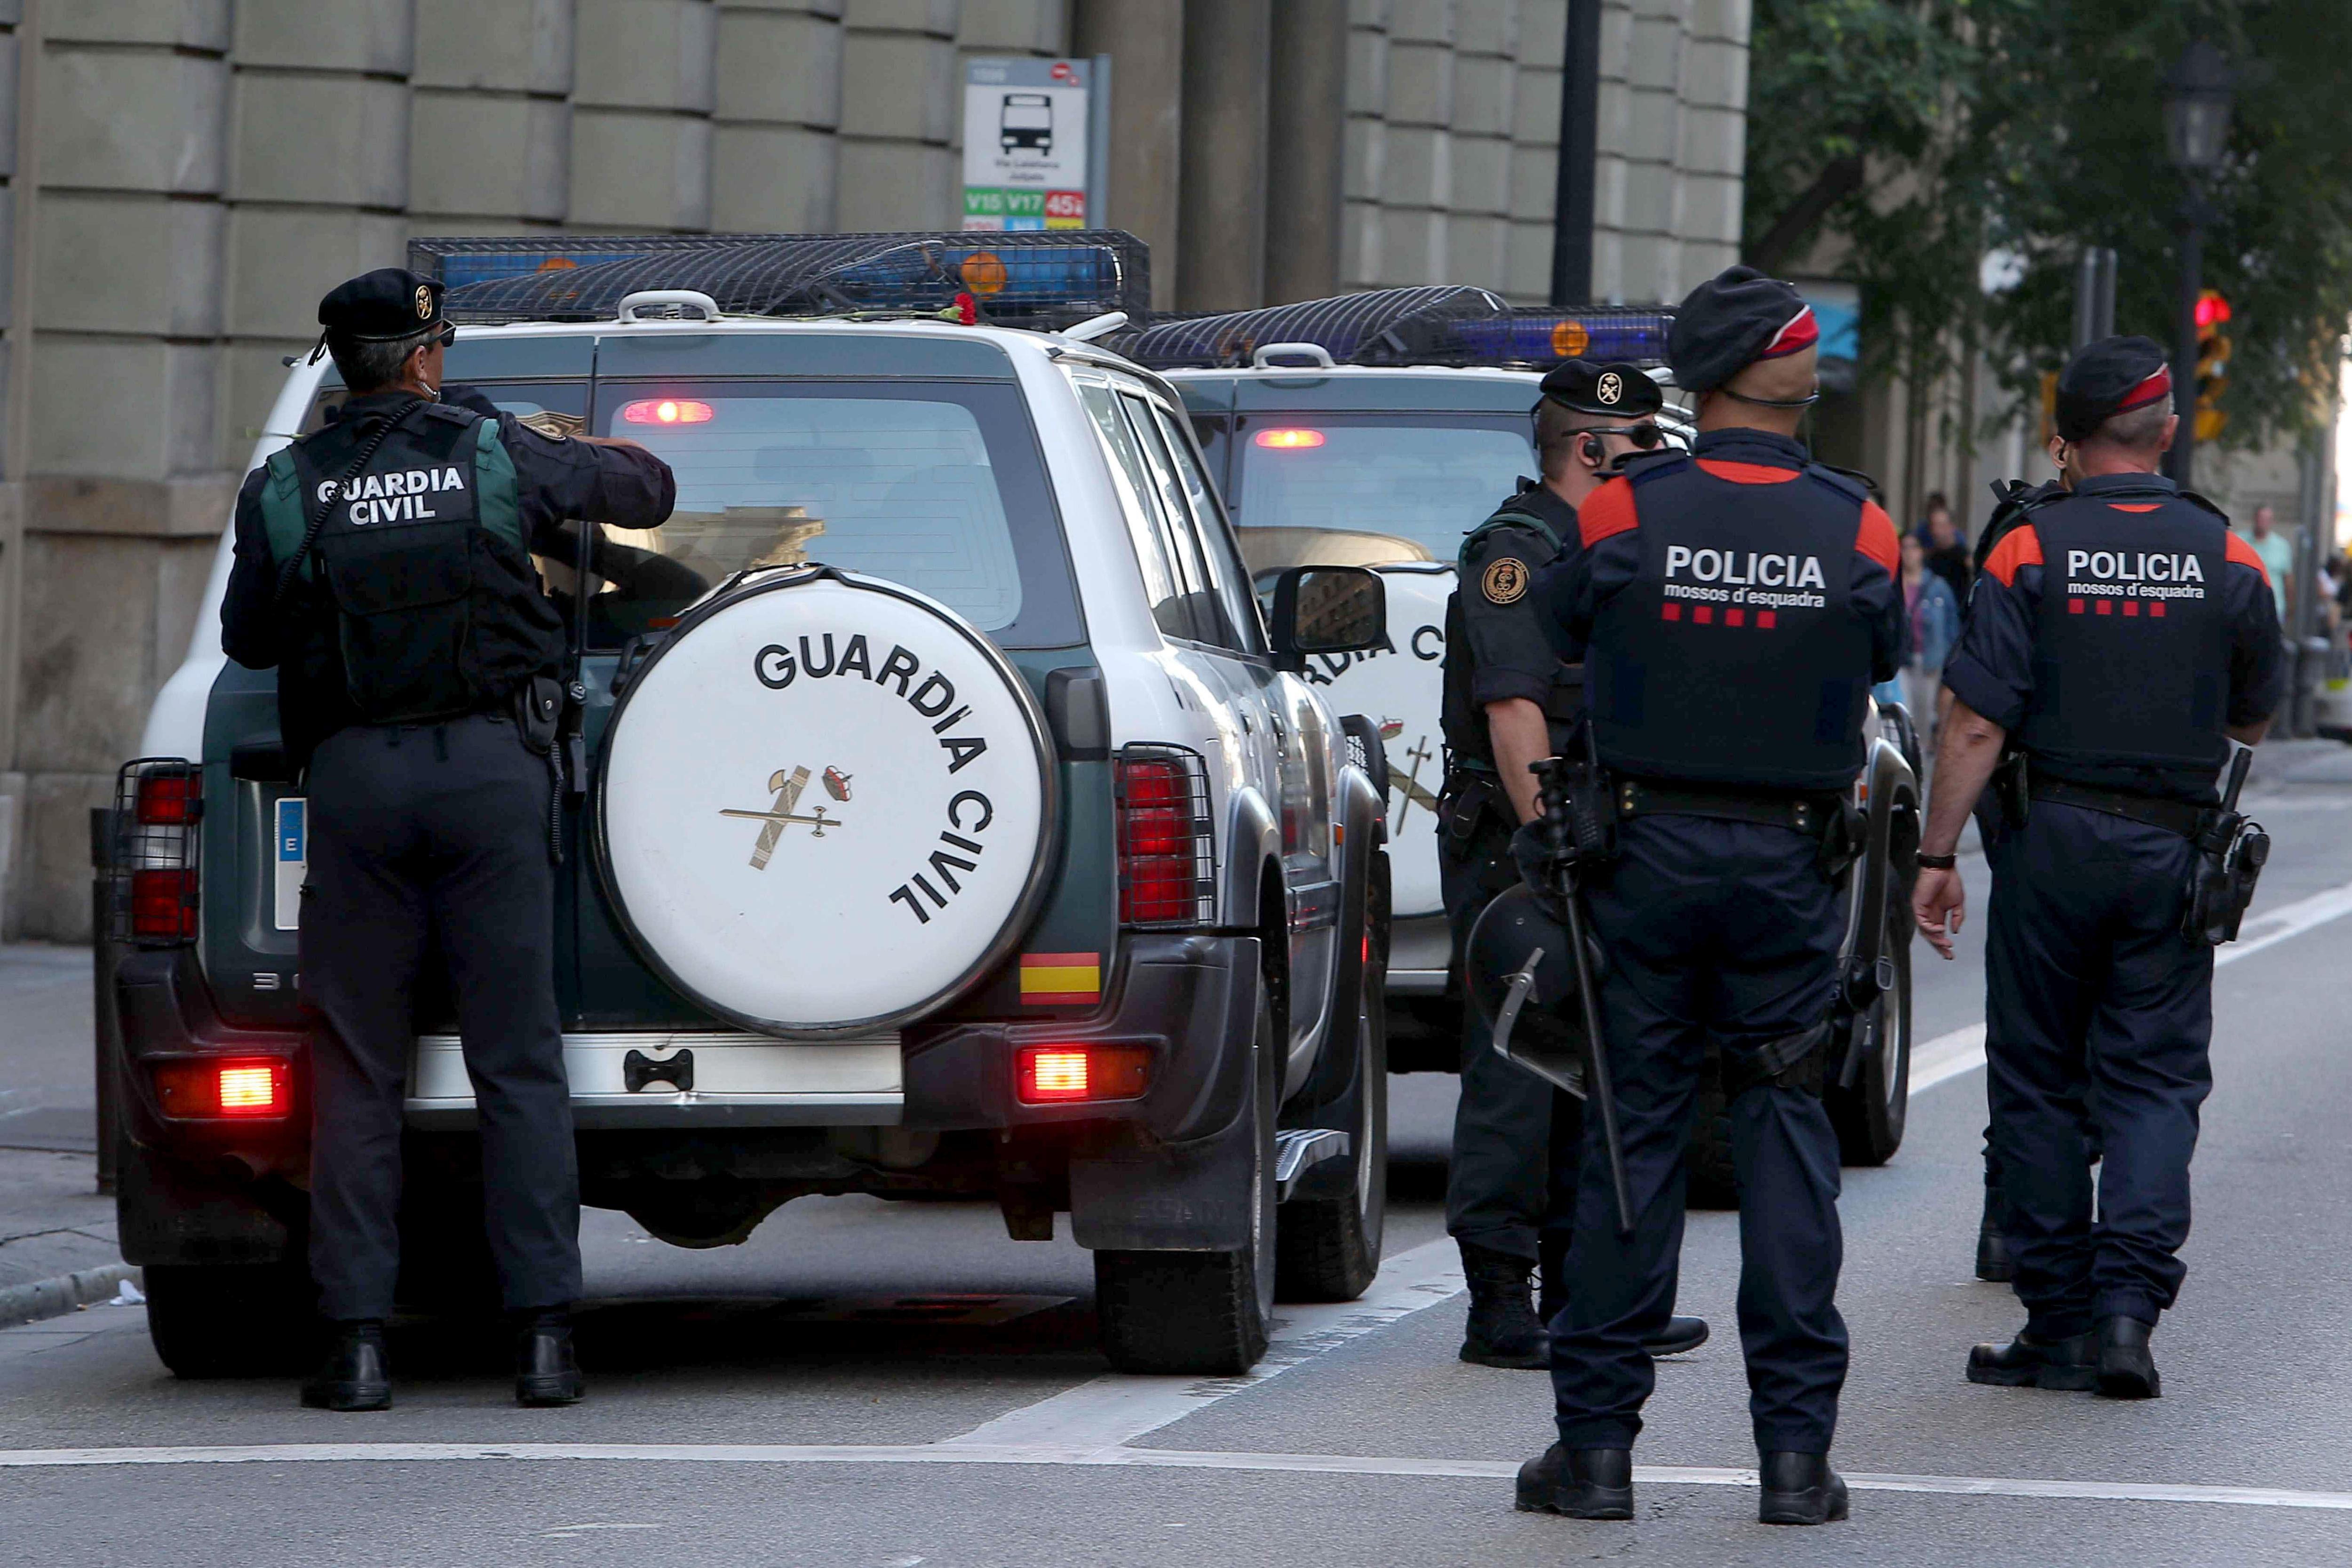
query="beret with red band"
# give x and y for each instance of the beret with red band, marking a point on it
(2112, 376)
(1733, 319)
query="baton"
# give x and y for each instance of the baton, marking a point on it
(1603, 1096)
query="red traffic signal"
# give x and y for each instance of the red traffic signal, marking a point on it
(2212, 309)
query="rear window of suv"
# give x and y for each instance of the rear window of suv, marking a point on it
(934, 485)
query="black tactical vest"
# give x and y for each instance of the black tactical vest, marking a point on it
(1469, 741)
(1736, 656)
(2131, 648)
(417, 598)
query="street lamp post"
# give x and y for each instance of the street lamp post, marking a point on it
(2197, 101)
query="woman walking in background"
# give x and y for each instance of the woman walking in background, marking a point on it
(1934, 615)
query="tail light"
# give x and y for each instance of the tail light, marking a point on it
(1062, 1075)
(1167, 850)
(158, 805)
(230, 1088)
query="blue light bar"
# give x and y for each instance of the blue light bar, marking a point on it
(1546, 337)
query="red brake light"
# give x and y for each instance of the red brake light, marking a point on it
(163, 905)
(170, 797)
(666, 411)
(1165, 852)
(1058, 1075)
(1288, 440)
(254, 1088)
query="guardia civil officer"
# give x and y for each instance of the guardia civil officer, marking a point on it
(383, 568)
(1510, 701)
(2121, 636)
(1735, 604)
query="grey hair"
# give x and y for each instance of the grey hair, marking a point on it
(2136, 429)
(365, 366)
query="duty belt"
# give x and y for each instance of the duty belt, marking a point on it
(1807, 814)
(2178, 817)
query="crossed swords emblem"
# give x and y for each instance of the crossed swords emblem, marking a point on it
(1409, 784)
(782, 815)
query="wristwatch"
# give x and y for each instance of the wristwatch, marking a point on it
(1937, 862)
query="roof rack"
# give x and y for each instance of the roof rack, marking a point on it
(1445, 325)
(1046, 278)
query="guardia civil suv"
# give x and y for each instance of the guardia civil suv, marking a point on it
(950, 819)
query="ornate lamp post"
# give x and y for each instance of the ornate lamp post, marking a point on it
(2197, 99)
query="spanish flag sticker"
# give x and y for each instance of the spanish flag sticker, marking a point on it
(1060, 979)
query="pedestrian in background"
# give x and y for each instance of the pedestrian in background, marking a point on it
(2277, 552)
(1946, 552)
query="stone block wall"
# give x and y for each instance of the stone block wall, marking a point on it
(1454, 137)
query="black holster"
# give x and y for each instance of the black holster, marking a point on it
(1461, 804)
(2012, 789)
(2231, 853)
(1793, 1061)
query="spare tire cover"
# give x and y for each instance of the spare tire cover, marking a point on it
(826, 805)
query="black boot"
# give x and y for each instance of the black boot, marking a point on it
(1679, 1336)
(545, 1371)
(2126, 1366)
(1581, 1483)
(1502, 1330)
(1799, 1488)
(2068, 1364)
(1993, 1261)
(355, 1374)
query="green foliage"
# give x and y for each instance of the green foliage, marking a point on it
(2037, 127)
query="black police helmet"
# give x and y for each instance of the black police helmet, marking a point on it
(1507, 934)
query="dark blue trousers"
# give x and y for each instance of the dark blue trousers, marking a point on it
(2098, 1013)
(1723, 933)
(1508, 1182)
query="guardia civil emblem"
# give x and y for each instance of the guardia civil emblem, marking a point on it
(784, 811)
(1611, 387)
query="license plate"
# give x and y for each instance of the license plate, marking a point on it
(291, 857)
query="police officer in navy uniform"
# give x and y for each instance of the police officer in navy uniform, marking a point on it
(2122, 636)
(1510, 701)
(1735, 604)
(383, 568)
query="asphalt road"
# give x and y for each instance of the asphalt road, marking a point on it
(874, 1384)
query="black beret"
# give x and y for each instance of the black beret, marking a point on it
(388, 303)
(2109, 377)
(1592, 388)
(1730, 322)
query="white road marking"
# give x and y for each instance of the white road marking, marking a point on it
(1109, 1456)
(1118, 1408)
(1962, 1051)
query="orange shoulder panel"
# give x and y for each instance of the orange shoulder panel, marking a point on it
(1606, 512)
(2242, 550)
(1748, 473)
(2021, 547)
(1875, 538)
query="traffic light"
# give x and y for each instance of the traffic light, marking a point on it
(2212, 362)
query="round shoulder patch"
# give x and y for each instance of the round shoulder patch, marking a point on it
(1505, 582)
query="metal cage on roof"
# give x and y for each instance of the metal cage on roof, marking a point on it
(1442, 324)
(1046, 278)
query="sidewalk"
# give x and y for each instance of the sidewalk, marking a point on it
(57, 1236)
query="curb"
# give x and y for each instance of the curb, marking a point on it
(57, 1297)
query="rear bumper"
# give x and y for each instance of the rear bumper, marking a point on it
(1190, 1000)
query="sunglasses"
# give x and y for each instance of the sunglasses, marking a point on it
(1648, 437)
(448, 334)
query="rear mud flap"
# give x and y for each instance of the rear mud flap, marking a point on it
(1180, 1197)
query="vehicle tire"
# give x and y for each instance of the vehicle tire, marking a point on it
(1706, 1161)
(1328, 1248)
(1870, 1117)
(1203, 1314)
(250, 1320)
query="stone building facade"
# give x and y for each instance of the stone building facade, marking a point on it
(180, 180)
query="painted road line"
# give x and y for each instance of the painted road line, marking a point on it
(1118, 1407)
(1114, 1458)
(1951, 1056)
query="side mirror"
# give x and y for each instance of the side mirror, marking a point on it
(1328, 609)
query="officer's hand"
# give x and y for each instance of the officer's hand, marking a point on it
(1937, 894)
